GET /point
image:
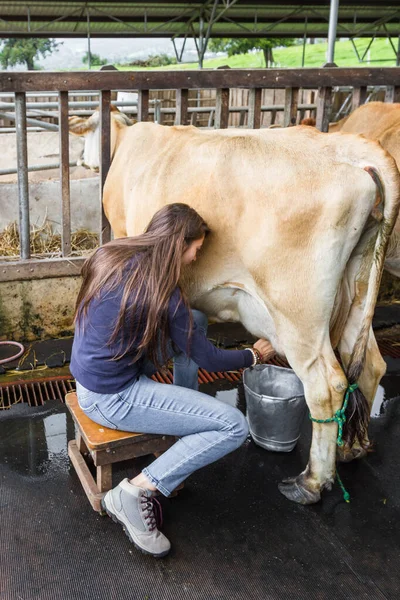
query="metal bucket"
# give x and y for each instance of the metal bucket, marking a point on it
(275, 406)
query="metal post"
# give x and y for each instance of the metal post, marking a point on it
(303, 58)
(398, 52)
(333, 19)
(201, 41)
(22, 163)
(105, 159)
(88, 39)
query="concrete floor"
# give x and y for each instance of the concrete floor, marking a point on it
(233, 534)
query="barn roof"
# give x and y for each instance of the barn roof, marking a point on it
(225, 18)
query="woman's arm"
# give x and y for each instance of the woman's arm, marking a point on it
(201, 350)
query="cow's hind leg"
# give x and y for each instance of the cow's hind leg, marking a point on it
(374, 369)
(324, 386)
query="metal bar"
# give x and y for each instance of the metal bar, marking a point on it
(368, 47)
(201, 37)
(35, 122)
(303, 55)
(143, 105)
(22, 163)
(40, 269)
(157, 112)
(64, 176)
(209, 27)
(398, 52)
(105, 160)
(254, 109)
(333, 19)
(355, 49)
(291, 105)
(181, 115)
(88, 39)
(222, 109)
(324, 108)
(45, 167)
(359, 97)
(50, 105)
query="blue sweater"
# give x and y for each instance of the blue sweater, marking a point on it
(91, 359)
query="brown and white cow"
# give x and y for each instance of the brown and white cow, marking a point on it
(295, 253)
(379, 121)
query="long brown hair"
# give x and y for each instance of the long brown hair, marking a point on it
(148, 282)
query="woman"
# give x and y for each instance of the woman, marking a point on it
(131, 317)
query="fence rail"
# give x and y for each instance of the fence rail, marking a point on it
(103, 82)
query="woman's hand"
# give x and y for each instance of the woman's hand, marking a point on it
(265, 349)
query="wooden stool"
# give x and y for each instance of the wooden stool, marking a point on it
(106, 446)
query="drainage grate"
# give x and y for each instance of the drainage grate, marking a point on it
(35, 392)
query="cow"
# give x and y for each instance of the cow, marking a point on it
(379, 121)
(300, 224)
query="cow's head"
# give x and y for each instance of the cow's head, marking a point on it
(89, 128)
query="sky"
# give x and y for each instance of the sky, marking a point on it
(70, 54)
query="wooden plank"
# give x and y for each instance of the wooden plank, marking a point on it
(83, 449)
(254, 115)
(143, 105)
(181, 115)
(223, 78)
(133, 449)
(222, 109)
(291, 102)
(105, 160)
(64, 175)
(85, 477)
(40, 269)
(104, 478)
(324, 108)
(359, 97)
(392, 93)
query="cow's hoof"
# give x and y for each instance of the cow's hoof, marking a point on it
(294, 490)
(345, 454)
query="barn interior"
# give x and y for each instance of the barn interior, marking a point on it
(233, 535)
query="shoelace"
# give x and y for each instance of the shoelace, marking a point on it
(154, 517)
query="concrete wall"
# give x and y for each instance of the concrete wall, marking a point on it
(37, 309)
(45, 201)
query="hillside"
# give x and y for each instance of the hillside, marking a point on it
(380, 54)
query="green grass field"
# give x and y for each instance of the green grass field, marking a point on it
(315, 56)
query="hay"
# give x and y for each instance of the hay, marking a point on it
(44, 243)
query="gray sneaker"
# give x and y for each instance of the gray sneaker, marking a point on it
(133, 508)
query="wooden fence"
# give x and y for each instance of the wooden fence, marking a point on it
(291, 82)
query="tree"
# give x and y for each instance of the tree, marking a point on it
(95, 60)
(15, 51)
(243, 45)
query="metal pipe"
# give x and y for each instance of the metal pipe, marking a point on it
(333, 19)
(13, 117)
(303, 57)
(201, 39)
(52, 105)
(45, 167)
(398, 52)
(22, 163)
(88, 38)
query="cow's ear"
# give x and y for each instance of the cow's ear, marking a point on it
(79, 125)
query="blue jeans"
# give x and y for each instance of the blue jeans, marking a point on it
(208, 429)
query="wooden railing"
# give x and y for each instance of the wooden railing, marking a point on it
(292, 80)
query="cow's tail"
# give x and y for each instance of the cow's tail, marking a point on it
(387, 180)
